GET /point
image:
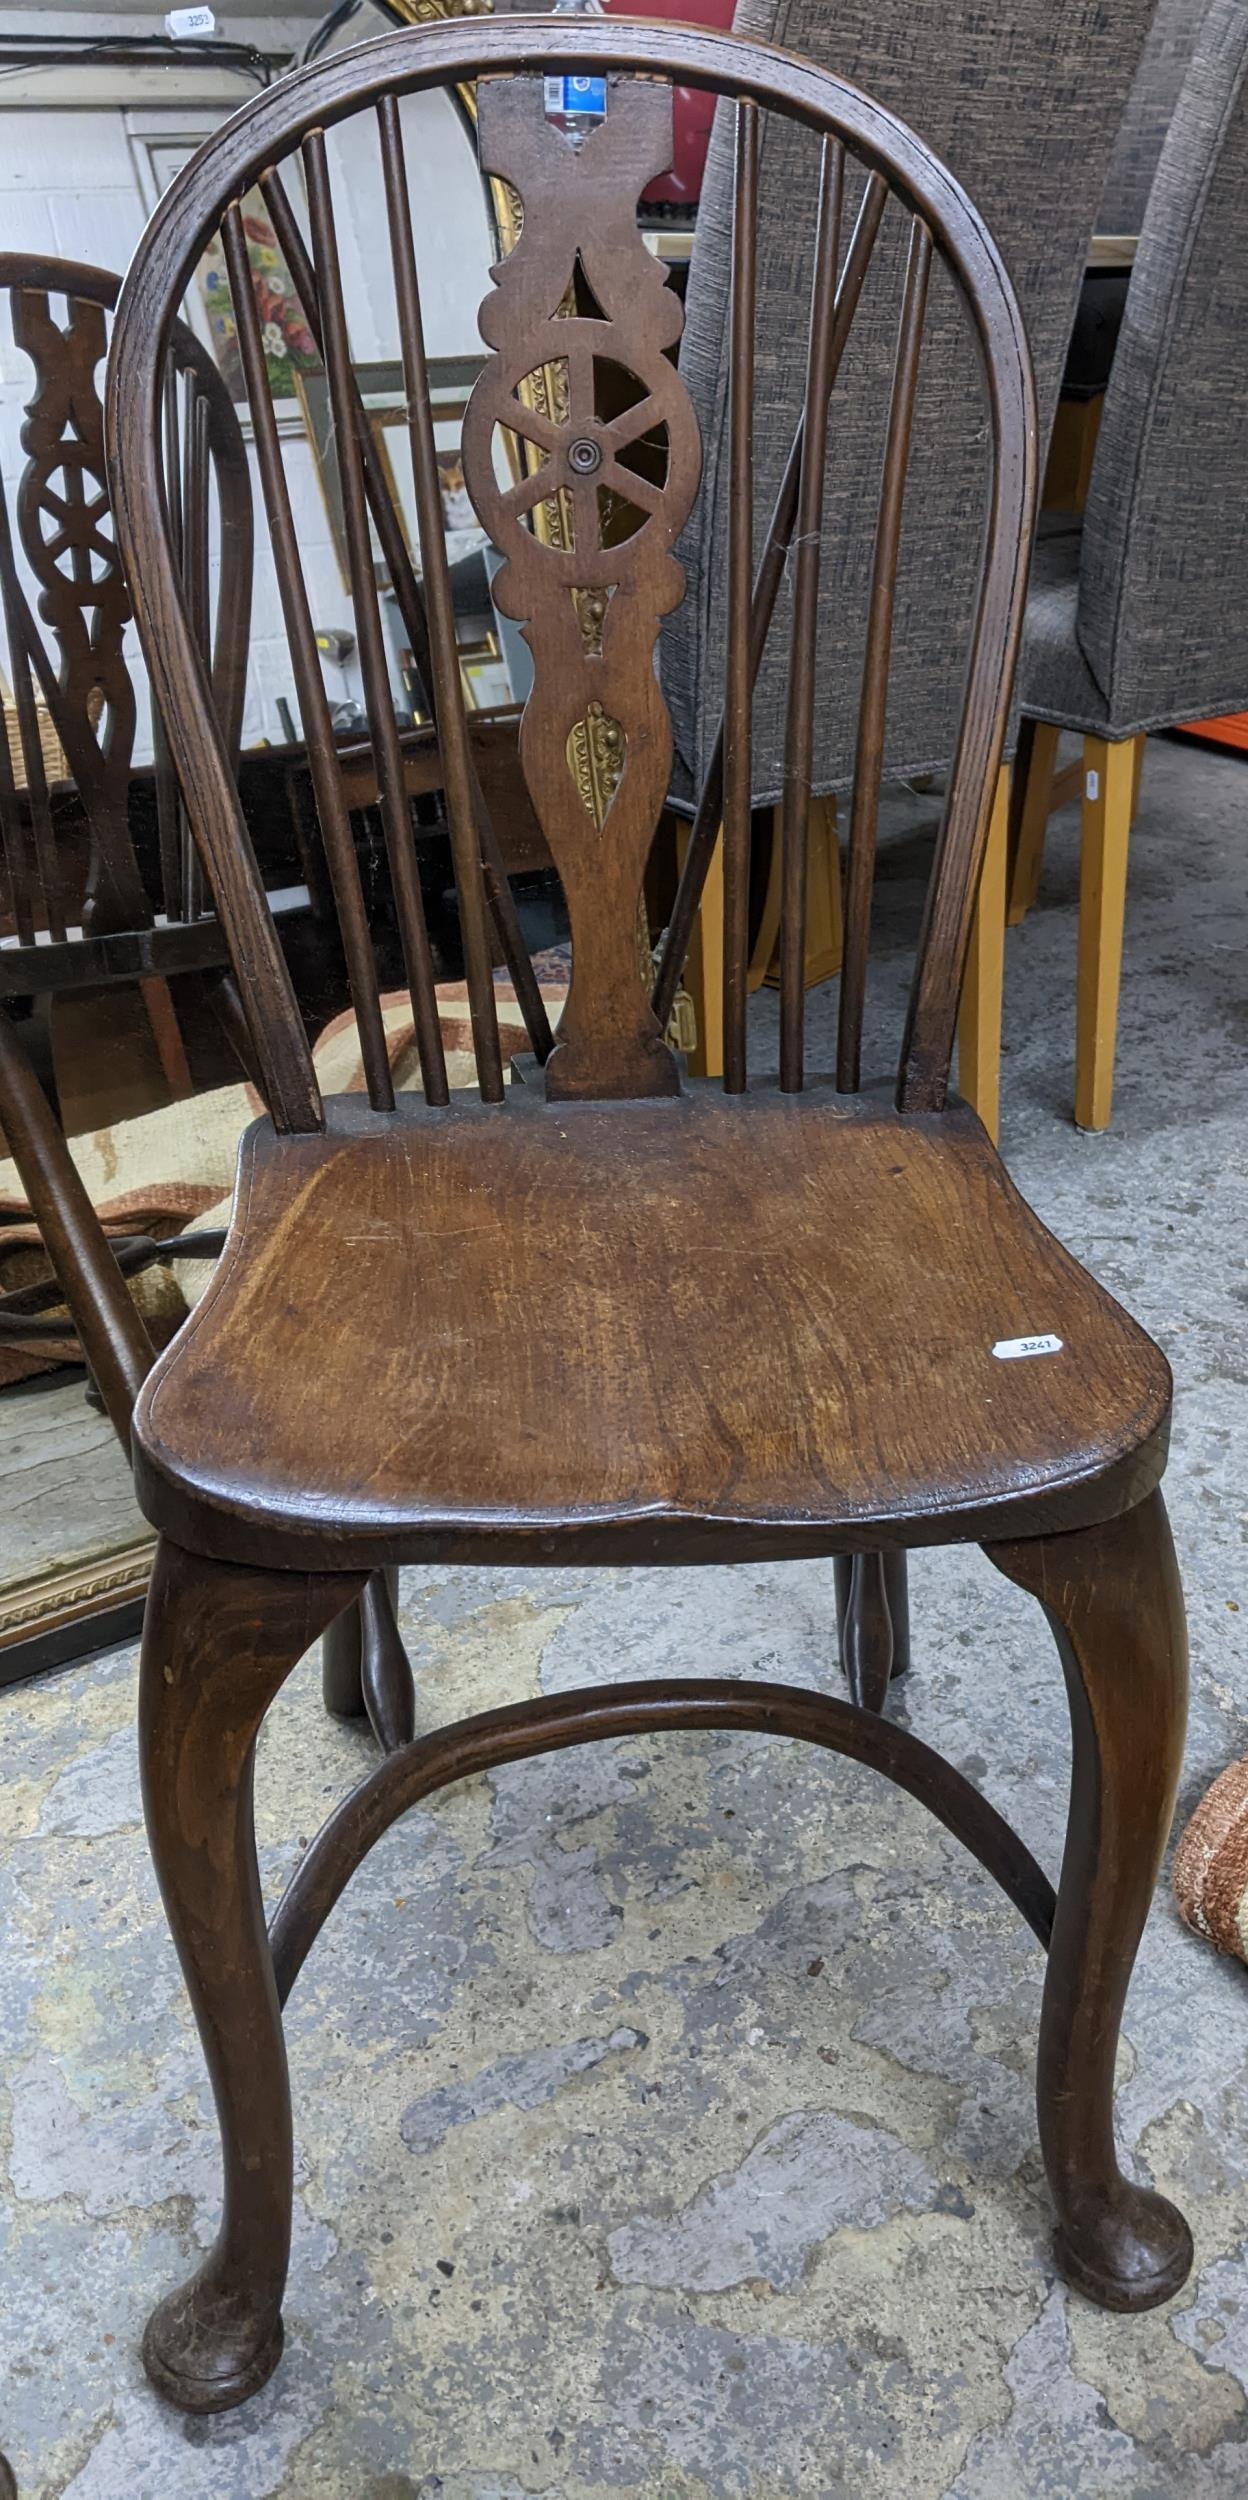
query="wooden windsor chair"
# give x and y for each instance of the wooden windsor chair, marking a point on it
(115, 917)
(69, 921)
(111, 916)
(550, 1381)
(108, 920)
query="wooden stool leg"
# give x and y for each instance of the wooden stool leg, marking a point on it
(704, 965)
(1109, 774)
(870, 1587)
(217, 1644)
(979, 1016)
(1031, 803)
(1113, 1598)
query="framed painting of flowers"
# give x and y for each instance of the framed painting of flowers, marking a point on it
(289, 348)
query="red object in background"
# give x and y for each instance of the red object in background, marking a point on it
(1229, 730)
(693, 111)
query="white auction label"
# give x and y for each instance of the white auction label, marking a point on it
(185, 24)
(1012, 1349)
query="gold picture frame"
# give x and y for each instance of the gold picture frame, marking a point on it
(93, 1601)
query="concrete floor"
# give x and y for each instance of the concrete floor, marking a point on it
(664, 2112)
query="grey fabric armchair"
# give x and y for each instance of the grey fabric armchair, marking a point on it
(1023, 105)
(1155, 91)
(1139, 619)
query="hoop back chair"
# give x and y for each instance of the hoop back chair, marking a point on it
(115, 917)
(549, 1379)
(119, 917)
(118, 921)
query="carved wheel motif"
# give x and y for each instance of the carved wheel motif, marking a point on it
(580, 458)
(65, 528)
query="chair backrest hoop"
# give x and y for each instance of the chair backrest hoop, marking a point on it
(444, 56)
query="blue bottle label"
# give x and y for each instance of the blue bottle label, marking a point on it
(576, 99)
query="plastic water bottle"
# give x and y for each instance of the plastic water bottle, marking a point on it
(576, 105)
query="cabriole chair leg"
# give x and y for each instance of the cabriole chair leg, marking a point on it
(1113, 1598)
(217, 1644)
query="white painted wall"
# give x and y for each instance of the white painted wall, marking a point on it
(71, 183)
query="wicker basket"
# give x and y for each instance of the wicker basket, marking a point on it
(55, 766)
(55, 760)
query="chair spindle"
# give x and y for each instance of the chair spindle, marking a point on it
(739, 691)
(800, 726)
(447, 683)
(170, 818)
(169, 832)
(383, 728)
(318, 733)
(869, 755)
(195, 576)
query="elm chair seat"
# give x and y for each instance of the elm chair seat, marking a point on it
(838, 1377)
